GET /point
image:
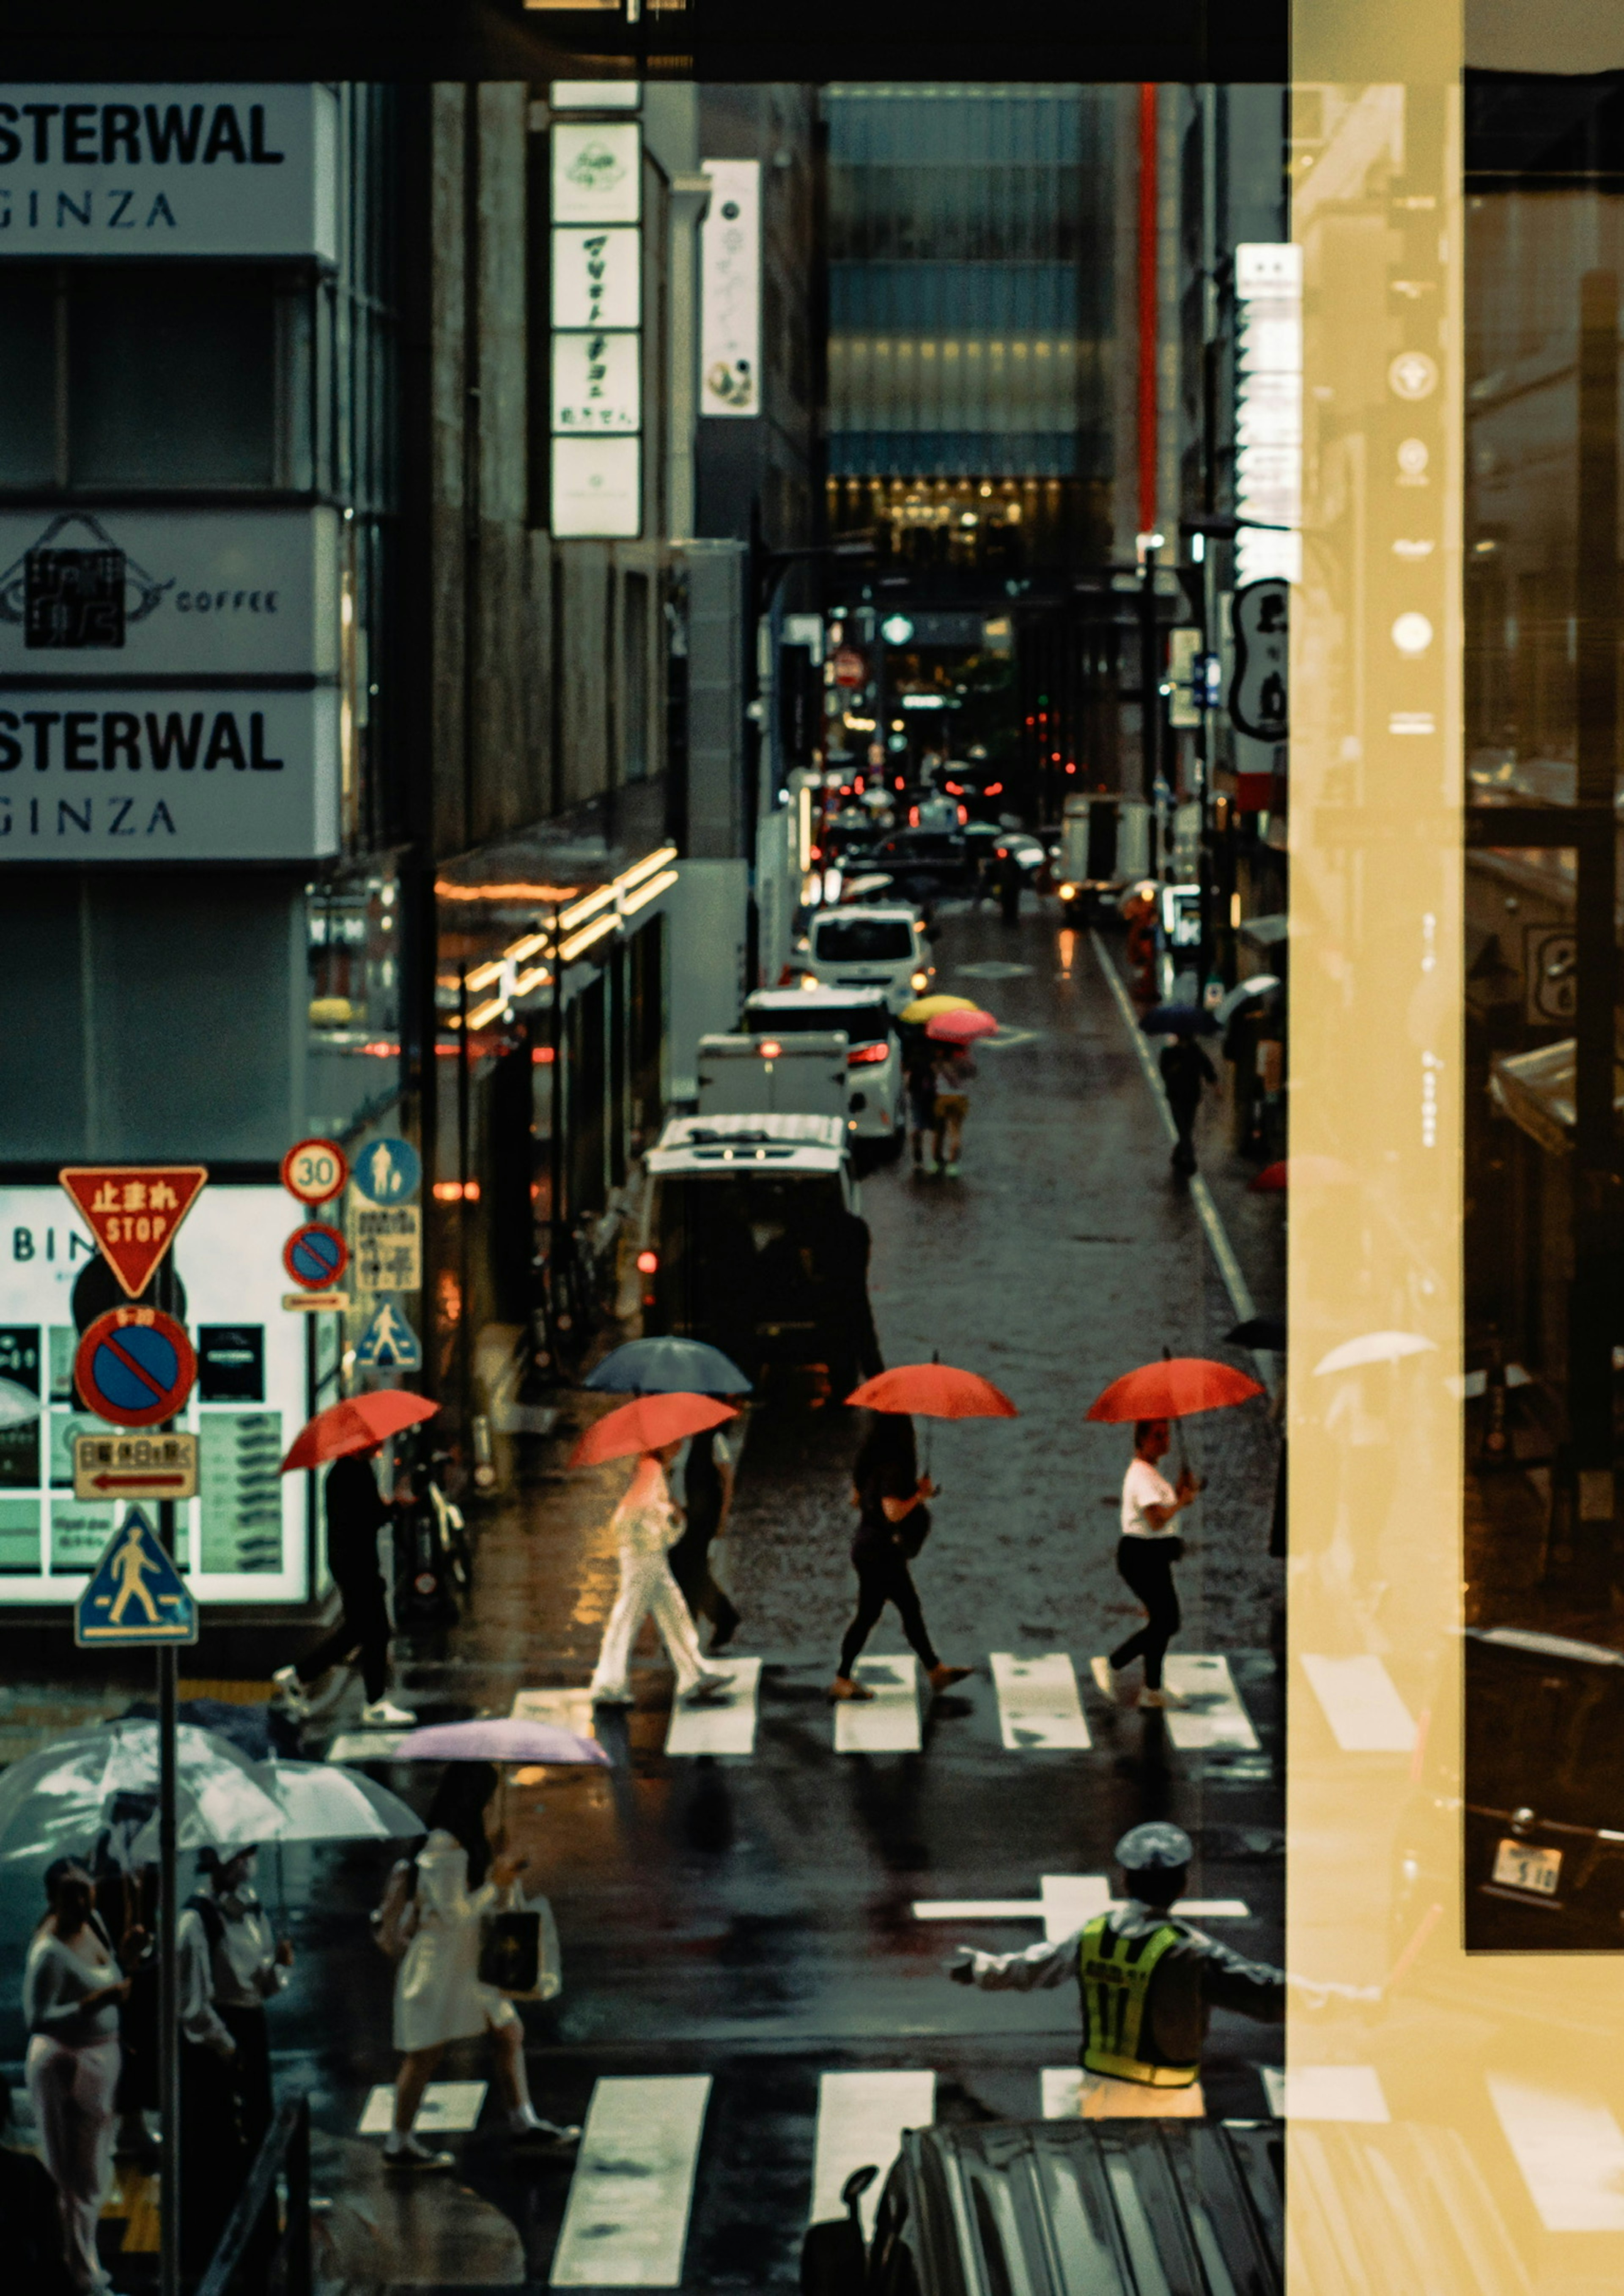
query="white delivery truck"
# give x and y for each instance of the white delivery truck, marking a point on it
(774, 1073)
(749, 1241)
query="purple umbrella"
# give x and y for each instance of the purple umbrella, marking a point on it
(503, 1738)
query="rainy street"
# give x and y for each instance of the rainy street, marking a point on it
(769, 1919)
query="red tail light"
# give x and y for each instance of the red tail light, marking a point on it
(648, 1263)
(769, 1048)
(862, 1056)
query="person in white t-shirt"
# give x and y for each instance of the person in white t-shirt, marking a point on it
(1146, 1552)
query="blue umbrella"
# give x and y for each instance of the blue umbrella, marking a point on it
(1178, 1020)
(667, 1366)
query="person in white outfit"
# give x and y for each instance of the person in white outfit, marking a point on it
(72, 1988)
(438, 1997)
(647, 1523)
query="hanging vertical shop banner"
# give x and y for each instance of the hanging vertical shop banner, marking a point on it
(1269, 410)
(597, 343)
(730, 294)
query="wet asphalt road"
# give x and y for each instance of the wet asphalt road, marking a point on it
(752, 1919)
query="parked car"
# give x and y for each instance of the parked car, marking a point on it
(881, 945)
(1541, 1797)
(1068, 2208)
(773, 1074)
(746, 1240)
(875, 1108)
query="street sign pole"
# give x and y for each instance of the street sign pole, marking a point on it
(168, 1986)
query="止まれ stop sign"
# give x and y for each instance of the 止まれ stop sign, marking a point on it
(316, 1256)
(134, 1366)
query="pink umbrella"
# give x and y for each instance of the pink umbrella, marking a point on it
(497, 1738)
(961, 1028)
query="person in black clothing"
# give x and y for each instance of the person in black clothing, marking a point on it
(1184, 1070)
(854, 1344)
(893, 1523)
(356, 1513)
(707, 1493)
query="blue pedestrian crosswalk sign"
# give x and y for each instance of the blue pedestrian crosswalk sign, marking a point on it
(135, 1594)
(389, 1343)
(388, 1171)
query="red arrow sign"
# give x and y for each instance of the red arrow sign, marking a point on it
(133, 1211)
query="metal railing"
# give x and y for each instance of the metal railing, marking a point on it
(247, 2259)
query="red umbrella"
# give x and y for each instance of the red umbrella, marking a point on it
(356, 1424)
(1299, 1171)
(646, 1424)
(936, 1391)
(961, 1028)
(1172, 1389)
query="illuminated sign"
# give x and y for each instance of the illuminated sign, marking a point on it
(730, 298)
(1269, 410)
(242, 1539)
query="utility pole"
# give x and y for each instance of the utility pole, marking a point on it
(1598, 1217)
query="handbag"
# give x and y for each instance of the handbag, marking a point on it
(518, 1952)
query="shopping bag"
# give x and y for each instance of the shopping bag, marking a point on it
(518, 1952)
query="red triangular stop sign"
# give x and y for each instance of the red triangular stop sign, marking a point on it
(133, 1211)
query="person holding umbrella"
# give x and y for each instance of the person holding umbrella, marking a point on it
(352, 1435)
(72, 1989)
(1148, 1546)
(456, 1881)
(952, 1034)
(891, 1496)
(646, 1524)
(1185, 1071)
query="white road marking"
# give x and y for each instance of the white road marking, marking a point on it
(448, 2109)
(626, 2222)
(1039, 1706)
(1326, 2092)
(995, 968)
(1215, 1716)
(1062, 2092)
(1359, 1700)
(571, 1710)
(728, 1728)
(1068, 1900)
(1570, 2151)
(1201, 1195)
(364, 1745)
(889, 1722)
(860, 2119)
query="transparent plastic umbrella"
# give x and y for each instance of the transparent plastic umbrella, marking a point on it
(17, 1405)
(51, 1804)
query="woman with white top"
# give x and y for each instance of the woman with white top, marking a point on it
(1146, 1552)
(72, 1988)
(647, 1523)
(438, 1997)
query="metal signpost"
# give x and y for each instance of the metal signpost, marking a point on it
(135, 1367)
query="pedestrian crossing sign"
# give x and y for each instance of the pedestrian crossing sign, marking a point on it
(389, 1343)
(135, 1594)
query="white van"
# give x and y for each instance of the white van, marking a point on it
(775, 1073)
(879, 946)
(876, 1112)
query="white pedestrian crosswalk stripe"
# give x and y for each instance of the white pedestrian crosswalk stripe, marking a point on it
(1213, 1717)
(448, 2109)
(571, 1710)
(626, 2222)
(1062, 2092)
(1569, 2149)
(860, 2119)
(1326, 2092)
(727, 1727)
(889, 1722)
(1361, 1702)
(1039, 1706)
(1065, 1902)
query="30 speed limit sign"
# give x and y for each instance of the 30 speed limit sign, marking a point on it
(315, 1170)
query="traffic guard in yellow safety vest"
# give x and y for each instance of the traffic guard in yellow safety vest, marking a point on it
(1149, 1983)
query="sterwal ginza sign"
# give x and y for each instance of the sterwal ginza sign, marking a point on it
(167, 170)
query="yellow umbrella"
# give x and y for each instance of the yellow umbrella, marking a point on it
(926, 1008)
